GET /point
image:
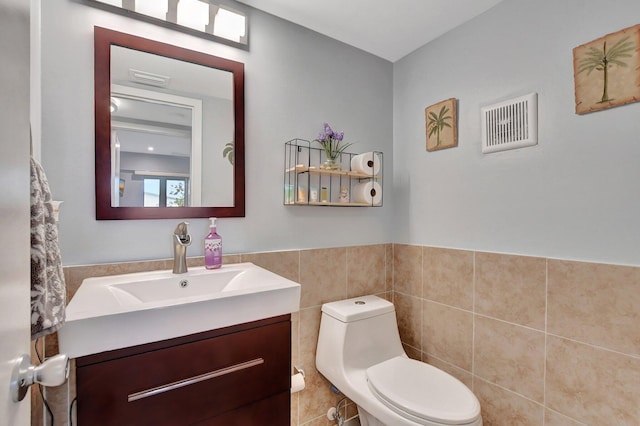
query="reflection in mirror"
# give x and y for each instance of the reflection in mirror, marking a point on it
(174, 135)
(149, 154)
(157, 111)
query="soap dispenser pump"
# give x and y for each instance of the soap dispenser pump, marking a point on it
(213, 247)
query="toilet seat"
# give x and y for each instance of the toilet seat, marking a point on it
(422, 392)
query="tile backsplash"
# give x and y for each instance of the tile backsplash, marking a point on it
(540, 341)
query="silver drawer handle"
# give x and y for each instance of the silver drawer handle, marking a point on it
(195, 379)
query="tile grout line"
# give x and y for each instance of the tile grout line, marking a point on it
(602, 348)
(421, 300)
(473, 313)
(299, 350)
(299, 264)
(448, 363)
(498, 385)
(389, 292)
(385, 271)
(565, 416)
(457, 308)
(346, 273)
(393, 273)
(546, 325)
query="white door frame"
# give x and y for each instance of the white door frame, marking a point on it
(195, 105)
(15, 286)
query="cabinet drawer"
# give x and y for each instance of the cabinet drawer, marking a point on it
(187, 383)
(273, 411)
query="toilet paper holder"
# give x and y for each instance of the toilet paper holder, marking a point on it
(297, 379)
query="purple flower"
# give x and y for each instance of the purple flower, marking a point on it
(327, 130)
(331, 141)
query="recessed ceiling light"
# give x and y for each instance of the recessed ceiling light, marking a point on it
(150, 148)
(114, 105)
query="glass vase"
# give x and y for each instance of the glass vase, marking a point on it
(331, 164)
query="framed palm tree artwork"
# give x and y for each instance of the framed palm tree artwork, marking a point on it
(441, 125)
(606, 71)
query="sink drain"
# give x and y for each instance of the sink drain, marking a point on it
(184, 283)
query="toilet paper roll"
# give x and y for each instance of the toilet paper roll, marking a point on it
(367, 192)
(297, 383)
(368, 162)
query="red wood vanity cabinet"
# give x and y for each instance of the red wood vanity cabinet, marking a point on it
(237, 375)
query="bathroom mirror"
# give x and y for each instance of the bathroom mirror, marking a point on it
(169, 129)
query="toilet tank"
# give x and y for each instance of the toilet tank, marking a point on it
(356, 333)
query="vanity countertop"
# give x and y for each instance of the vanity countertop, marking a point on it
(119, 311)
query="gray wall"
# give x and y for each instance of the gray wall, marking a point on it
(295, 80)
(217, 172)
(574, 196)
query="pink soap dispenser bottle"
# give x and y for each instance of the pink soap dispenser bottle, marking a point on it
(213, 247)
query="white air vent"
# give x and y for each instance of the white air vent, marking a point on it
(510, 124)
(148, 78)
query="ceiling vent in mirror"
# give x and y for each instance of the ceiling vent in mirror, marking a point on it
(148, 78)
(510, 124)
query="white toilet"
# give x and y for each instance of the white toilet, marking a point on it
(360, 352)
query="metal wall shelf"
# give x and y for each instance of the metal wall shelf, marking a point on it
(306, 183)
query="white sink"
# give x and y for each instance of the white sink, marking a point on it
(118, 311)
(165, 287)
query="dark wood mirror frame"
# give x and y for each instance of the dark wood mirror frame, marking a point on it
(103, 40)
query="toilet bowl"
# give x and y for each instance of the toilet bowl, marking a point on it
(359, 352)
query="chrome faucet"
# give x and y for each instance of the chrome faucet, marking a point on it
(181, 239)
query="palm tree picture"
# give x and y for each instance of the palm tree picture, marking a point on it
(441, 125)
(437, 123)
(603, 59)
(606, 71)
(228, 152)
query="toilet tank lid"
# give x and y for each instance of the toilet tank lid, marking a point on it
(358, 308)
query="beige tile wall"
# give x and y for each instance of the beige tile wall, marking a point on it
(325, 275)
(540, 341)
